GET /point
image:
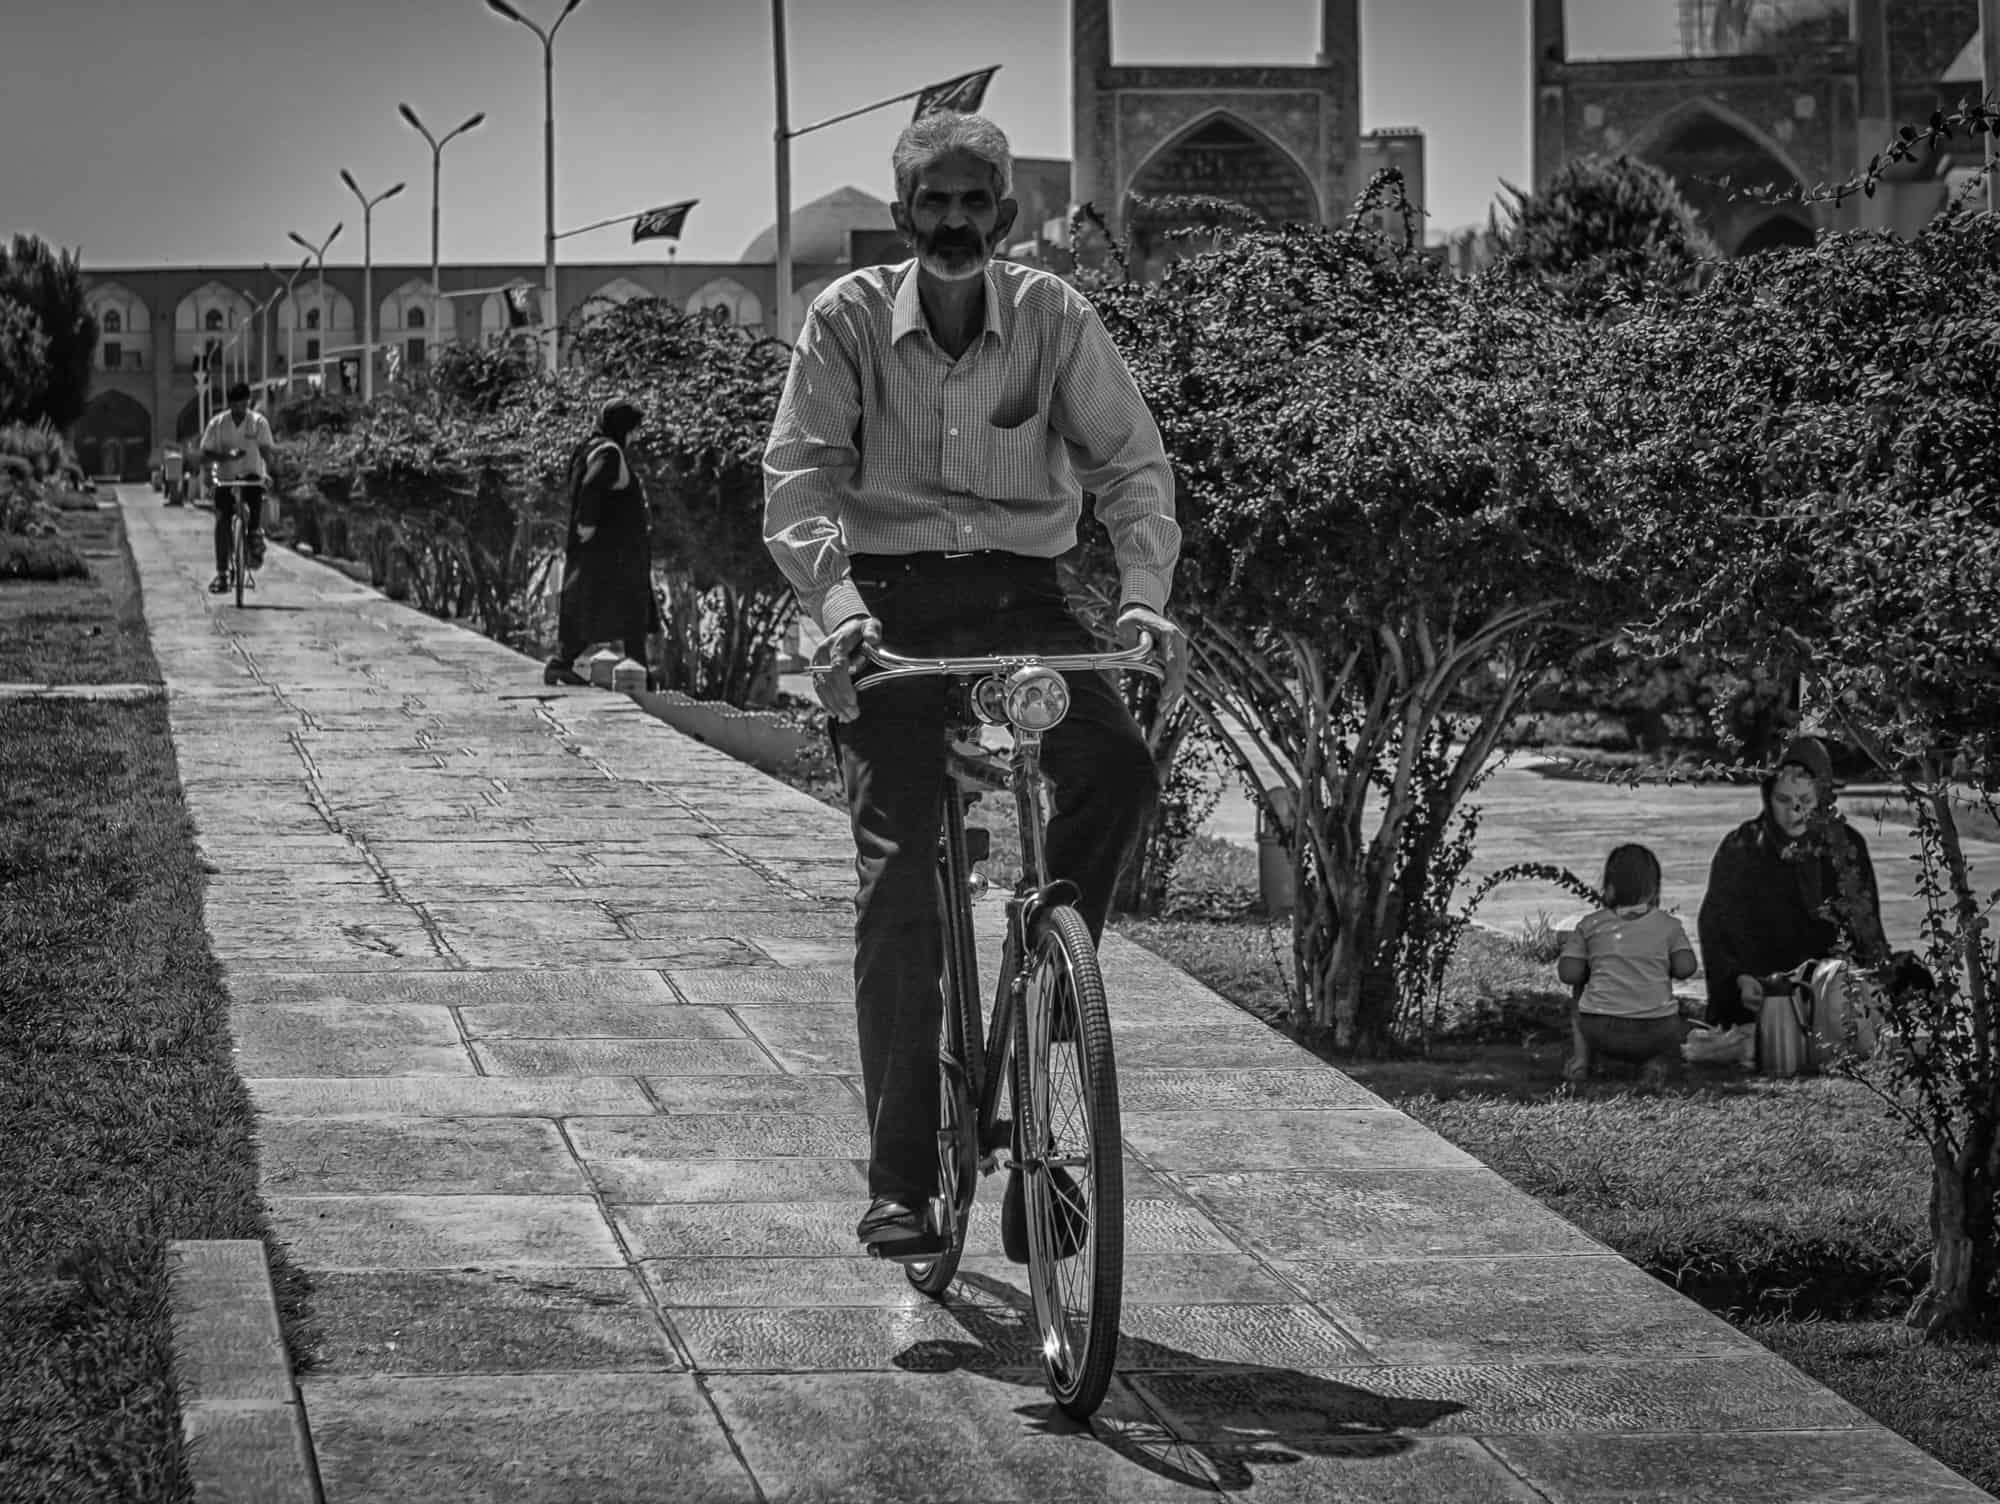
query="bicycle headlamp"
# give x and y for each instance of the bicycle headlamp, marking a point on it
(1037, 699)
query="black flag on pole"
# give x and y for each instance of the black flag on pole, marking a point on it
(521, 309)
(664, 223)
(964, 93)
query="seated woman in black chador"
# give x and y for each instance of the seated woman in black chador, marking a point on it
(1770, 881)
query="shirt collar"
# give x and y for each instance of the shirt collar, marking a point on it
(908, 315)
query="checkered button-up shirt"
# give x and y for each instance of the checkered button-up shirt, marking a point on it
(884, 445)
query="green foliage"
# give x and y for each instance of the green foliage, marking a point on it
(24, 360)
(1387, 487)
(24, 558)
(457, 491)
(49, 285)
(1605, 230)
(316, 412)
(1808, 471)
(709, 389)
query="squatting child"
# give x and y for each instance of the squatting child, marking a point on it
(1621, 963)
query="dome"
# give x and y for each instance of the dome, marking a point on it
(819, 229)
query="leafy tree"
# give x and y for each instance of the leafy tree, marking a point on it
(24, 366)
(50, 286)
(1385, 491)
(1809, 472)
(1605, 230)
(710, 390)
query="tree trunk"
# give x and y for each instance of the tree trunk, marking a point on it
(1963, 1236)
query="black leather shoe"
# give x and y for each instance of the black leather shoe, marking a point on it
(562, 673)
(891, 1230)
(219, 585)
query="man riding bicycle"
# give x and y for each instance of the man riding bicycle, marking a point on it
(237, 442)
(940, 423)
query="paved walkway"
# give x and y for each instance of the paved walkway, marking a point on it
(546, 1010)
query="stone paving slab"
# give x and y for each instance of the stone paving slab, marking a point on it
(547, 1014)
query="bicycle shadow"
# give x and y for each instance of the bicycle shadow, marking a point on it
(1256, 1415)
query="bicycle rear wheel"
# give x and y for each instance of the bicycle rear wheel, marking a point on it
(1066, 1105)
(236, 549)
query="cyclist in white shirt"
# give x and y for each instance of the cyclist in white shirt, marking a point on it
(238, 443)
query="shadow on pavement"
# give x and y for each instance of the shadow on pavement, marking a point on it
(1247, 1414)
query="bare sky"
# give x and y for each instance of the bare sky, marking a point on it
(146, 131)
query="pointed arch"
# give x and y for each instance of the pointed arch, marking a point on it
(134, 316)
(114, 437)
(413, 296)
(1684, 120)
(293, 311)
(617, 292)
(743, 305)
(1698, 143)
(196, 310)
(1210, 155)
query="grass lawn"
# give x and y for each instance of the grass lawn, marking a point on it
(87, 631)
(123, 1123)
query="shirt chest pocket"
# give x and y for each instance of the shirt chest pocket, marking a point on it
(1015, 460)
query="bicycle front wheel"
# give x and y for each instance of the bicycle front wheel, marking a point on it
(236, 551)
(1066, 1108)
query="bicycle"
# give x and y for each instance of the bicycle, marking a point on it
(239, 573)
(1049, 1037)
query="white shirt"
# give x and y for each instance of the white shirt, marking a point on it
(1629, 952)
(252, 436)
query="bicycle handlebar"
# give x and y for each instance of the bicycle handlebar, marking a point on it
(893, 666)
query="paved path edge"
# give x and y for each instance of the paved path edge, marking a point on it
(243, 1422)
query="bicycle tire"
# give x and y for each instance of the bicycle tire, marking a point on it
(236, 548)
(958, 1125)
(1077, 1309)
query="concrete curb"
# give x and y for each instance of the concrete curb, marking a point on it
(242, 1421)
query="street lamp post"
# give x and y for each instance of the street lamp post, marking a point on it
(261, 312)
(548, 41)
(291, 317)
(368, 277)
(437, 145)
(318, 254)
(783, 269)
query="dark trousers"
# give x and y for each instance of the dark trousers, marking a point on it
(225, 509)
(893, 761)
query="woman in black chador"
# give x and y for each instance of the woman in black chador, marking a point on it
(607, 593)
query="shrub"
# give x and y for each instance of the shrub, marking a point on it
(24, 558)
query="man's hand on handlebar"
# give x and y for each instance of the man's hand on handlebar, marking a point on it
(1167, 638)
(843, 650)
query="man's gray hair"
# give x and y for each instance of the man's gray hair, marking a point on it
(941, 132)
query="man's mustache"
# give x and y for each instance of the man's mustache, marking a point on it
(957, 240)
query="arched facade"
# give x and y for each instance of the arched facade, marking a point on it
(124, 328)
(1285, 140)
(1699, 142)
(1809, 106)
(114, 437)
(207, 319)
(1219, 155)
(406, 321)
(307, 328)
(743, 305)
(616, 292)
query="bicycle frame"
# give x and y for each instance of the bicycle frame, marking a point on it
(986, 1056)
